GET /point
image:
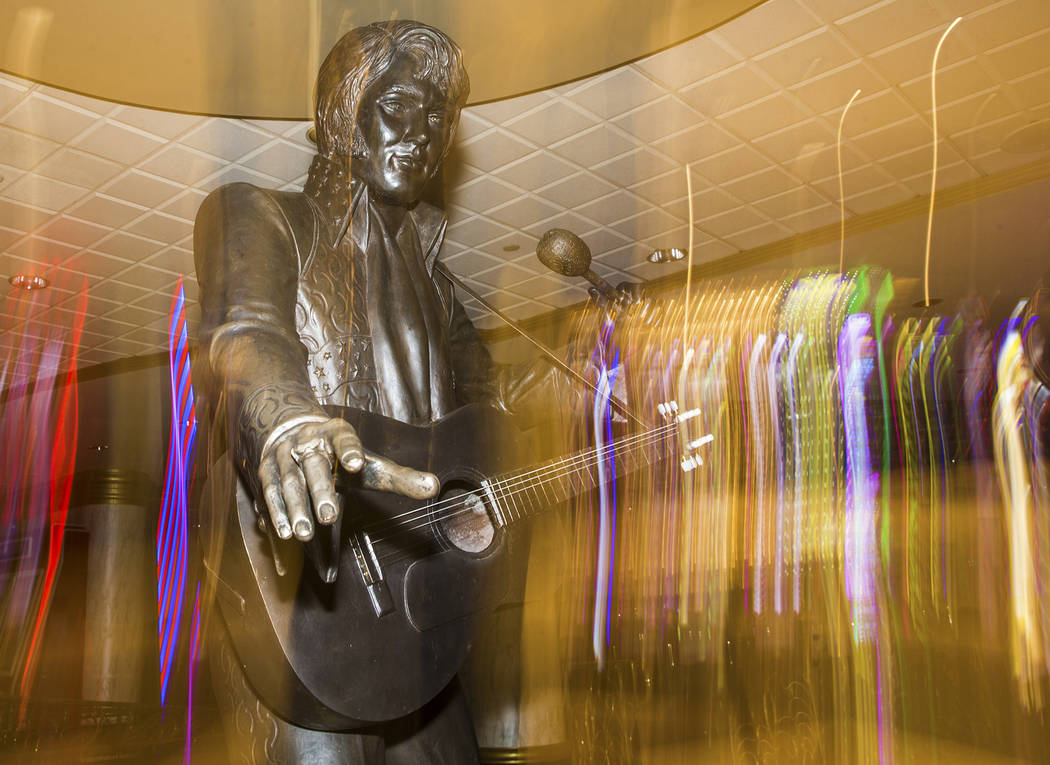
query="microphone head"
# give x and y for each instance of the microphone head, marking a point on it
(563, 252)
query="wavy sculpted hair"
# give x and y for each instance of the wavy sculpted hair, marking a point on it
(365, 53)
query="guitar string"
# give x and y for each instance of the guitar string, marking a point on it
(506, 489)
(426, 514)
(403, 553)
(562, 466)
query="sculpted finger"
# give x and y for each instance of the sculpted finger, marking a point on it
(293, 488)
(347, 446)
(318, 470)
(385, 475)
(270, 480)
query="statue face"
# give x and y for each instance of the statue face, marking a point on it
(405, 123)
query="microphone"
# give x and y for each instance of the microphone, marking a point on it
(565, 253)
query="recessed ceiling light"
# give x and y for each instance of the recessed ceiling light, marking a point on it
(27, 282)
(669, 255)
(511, 247)
(311, 134)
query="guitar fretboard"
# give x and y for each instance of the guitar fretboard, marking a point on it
(522, 494)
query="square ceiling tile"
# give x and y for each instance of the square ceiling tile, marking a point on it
(772, 23)
(482, 194)
(687, 62)
(658, 119)
(536, 287)
(21, 217)
(565, 297)
(151, 337)
(1000, 23)
(281, 159)
(131, 314)
(182, 165)
(663, 189)
(175, 259)
(105, 211)
(227, 138)
(185, 205)
(758, 236)
(712, 202)
(728, 90)
(1033, 91)
(634, 167)
(9, 235)
(475, 231)
(954, 82)
(894, 139)
(620, 91)
(823, 161)
(163, 228)
(809, 220)
(102, 267)
(913, 58)
(71, 231)
(788, 203)
(730, 165)
(764, 117)
(11, 91)
(40, 115)
(596, 145)
(155, 301)
(649, 224)
(577, 189)
(128, 246)
(23, 150)
(919, 160)
(536, 170)
(787, 145)
(603, 240)
(470, 262)
(855, 181)
(142, 188)
(997, 161)
(499, 112)
(832, 91)
(968, 113)
(44, 192)
(525, 310)
(739, 219)
(833, 10)
(877, 199)
(43, 251)
(551, 123)
(470, 126)
(122, 144)
(567, 220)
(115, 292)
(503, 276)
(626, 256)
(762, 184)
(805, 58)
(523, 212)
(947, 176)
(493, 150)
(890, 22)
(78, 168)
(1021, 57)
(146, 276)
(162, 124)
(614, 208)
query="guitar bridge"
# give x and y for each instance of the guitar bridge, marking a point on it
(372, 574)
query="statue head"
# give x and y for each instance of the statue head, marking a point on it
(388, 97)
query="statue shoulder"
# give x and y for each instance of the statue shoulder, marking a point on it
(235, 200)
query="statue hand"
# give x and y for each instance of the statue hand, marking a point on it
(298, 470)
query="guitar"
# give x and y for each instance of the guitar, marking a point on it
(385, 627)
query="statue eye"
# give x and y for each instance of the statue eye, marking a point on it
(393, 105)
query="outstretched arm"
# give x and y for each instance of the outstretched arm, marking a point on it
(283, 441)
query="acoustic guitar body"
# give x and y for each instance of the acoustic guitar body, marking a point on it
(318, 653)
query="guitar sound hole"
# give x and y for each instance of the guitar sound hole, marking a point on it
(464, 521)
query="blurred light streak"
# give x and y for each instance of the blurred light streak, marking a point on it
(172, 541)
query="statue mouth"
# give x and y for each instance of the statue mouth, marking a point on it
(408, 163)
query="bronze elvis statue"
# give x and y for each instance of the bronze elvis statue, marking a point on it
(329, 297)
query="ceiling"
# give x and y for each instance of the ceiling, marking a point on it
(106, 192)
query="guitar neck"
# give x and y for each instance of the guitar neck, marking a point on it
(523, 493)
